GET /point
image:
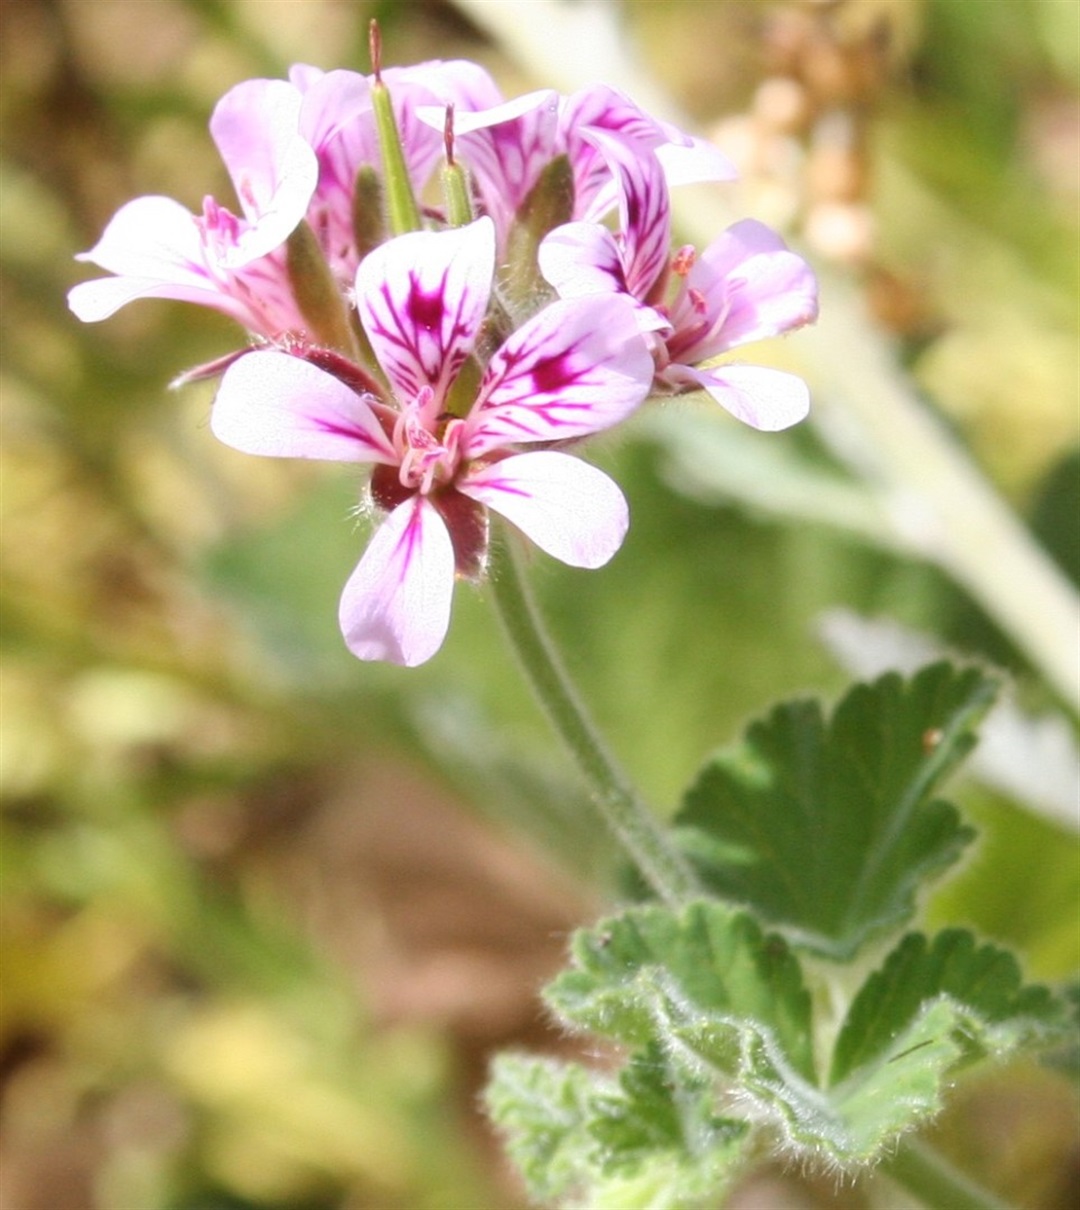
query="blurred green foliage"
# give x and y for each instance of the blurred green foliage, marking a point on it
(267, 910)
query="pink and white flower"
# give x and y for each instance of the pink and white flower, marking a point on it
(156, 248)
(337, 120)
(746, 286)
(507, 147)
(444, 452)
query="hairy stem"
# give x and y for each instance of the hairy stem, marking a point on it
(935, 1182)
(617, 800)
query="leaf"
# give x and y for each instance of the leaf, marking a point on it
(932, 1008)
(708, 990)
(542, 1109)
(651, 971)
(584, 1139)
(826, 828)
(982, 980)
(716, 1012)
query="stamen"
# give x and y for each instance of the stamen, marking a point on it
(683, 260)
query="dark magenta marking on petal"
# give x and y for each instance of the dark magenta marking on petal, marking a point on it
(426, 309)
(467, 522)
(387, 490)
(551, 373)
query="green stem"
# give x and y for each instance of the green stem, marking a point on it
(935, 1182)
(622, 808)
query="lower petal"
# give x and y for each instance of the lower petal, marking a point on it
(570, 509)
(396, 605)
(763, 398)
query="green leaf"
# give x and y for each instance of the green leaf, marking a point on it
(826, 828)
(710, 991)
(648, 1139)
(542, 1109)
(933, 1008)
(995, 1013)
(715, 1011)
(650, 974)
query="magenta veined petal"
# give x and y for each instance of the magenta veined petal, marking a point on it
(570, 509)
(579, 366)
(154, 247)
(759, 396)
(761, 287)
(396, 604)
(644, 210)
(421, 299)
(579, 259)
(282, 406)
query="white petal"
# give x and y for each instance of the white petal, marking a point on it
(104, 296)
(151, 237)
(694, 162)
(570, 509)
(465, 121)
(577, 367)
(580, 259)
(274, 171)
(396, 605)
(422, 298)
(282, 406)
(758, 396)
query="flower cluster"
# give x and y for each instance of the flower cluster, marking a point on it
(455, 289)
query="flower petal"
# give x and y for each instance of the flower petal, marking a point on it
(104, 296)
(421, 299)
(279, 405)
(644, 210)
(154, 246)
(579, 366)
(761, 397)
(760, 288)
(256, 128)
(580, 259)
(396, 605)
(695, 162)
(570, 509)
(151, 237)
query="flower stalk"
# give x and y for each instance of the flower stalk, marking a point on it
(617, 800)
(935, 1182)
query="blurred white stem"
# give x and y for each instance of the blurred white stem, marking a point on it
(937, 500)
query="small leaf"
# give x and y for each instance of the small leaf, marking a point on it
(583, 1139)
(542, 1109)
(933, 1008)
(826, 828)
(648, 974)
(993, 1012)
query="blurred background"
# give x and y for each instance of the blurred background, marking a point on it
(267, 910)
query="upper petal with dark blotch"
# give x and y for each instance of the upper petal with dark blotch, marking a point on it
(421, 299)
(577, 367)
